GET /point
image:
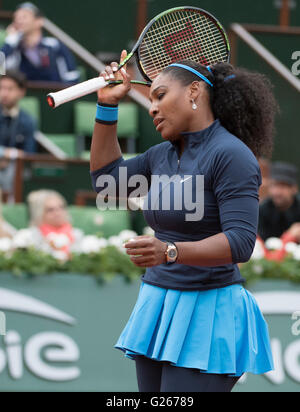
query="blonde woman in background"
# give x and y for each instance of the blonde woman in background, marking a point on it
(48, 213)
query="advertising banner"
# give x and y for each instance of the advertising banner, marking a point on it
(58, 332)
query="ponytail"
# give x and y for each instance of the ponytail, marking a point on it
(242, 100)
(245, 105)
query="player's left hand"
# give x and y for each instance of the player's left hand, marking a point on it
(146, 251)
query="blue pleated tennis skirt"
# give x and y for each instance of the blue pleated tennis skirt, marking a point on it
(220, 331)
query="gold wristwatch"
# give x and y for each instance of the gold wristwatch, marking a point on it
(171, 253)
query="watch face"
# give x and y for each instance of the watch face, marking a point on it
(172, 253)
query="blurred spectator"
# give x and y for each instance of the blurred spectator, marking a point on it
(16, 127)
(280, 213)
(48, 213)
(265, 174)
(39, 58)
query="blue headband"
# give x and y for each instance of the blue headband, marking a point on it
(232, 76)
(190, 69)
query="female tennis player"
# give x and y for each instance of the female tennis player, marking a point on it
(194, 327)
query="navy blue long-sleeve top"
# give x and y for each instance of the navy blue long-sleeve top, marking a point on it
(228, 190)
(55, 61)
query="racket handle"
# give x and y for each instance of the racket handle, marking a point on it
(74, 92)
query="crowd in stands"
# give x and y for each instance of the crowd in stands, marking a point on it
(279, 213)
(30, 56)
(17, 128)
(40, 58)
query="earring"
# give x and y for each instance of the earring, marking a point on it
(194, 106)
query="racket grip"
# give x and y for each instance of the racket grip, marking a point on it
(75, 92)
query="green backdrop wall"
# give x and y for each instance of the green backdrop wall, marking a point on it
(61, 331)
(107, 25)
(97, 26)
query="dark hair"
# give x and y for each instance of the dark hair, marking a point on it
(18, 77)
(284, 172)
(243, 101)
(32, 7)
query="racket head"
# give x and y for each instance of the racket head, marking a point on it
(181, 33)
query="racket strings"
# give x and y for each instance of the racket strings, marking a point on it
(169, 25)
(187, 42)
(182, 36)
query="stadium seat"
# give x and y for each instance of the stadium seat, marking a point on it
(31, 105)
(89, 219)
(84, 118)
(92, 221)
(127, 124)
(16, 215)
(85, 155)
(66, 142)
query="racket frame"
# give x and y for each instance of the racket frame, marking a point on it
(136, 48)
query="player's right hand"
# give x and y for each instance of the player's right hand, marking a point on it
(113, 94)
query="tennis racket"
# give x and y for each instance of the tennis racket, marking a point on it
(181, 33)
